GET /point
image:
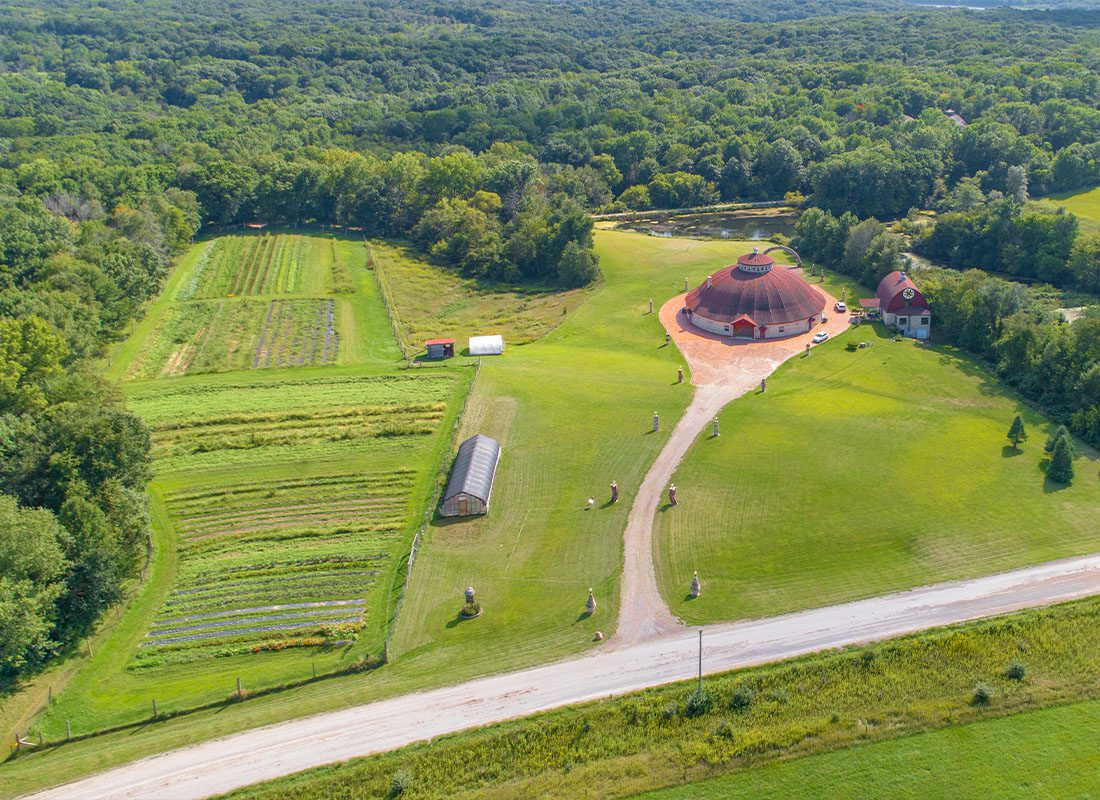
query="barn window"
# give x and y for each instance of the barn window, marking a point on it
(924, 320)
(903, 322)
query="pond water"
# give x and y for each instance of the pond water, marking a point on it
(722, 225)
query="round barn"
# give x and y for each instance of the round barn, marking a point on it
(755, 299)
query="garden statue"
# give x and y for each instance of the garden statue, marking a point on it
(590, 604)
(680, 375)
(471, 609)
(656, 422)
(716, 426)
(672, 495)
(614, 492)
(695, 584)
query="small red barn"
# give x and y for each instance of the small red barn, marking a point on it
(440, 348)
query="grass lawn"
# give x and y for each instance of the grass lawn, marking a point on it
(1085, 205)
(1049, 753)
(858, 473)
(817, 704)
(429, 302)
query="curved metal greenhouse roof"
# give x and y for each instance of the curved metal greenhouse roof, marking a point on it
(474, 468)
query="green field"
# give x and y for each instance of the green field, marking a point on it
(858, 473)
(572, 411)
(1085, 205)
(284, 499)
(429, 302)
(881, 693)
(1049, 753)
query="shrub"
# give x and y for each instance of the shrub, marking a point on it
(1016, 671)
(852, 346)
(400, 783)
(699, 702)
(723, 731)
(742, 698)
(983, 694)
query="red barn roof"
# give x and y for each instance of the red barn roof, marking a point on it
(430, 342)
(892, 291)
(755, 290)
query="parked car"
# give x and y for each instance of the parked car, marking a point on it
(840, 307)
(820, 337)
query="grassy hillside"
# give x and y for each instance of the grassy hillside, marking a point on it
(1049, 753)
(862, 472)
(573, 412)
(882, 692)
(1085, 205)
(429, 302)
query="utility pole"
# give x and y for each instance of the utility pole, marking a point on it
(699, 688)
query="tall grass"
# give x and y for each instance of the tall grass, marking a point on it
(647, 740)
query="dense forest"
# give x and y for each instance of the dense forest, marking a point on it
(484, 132)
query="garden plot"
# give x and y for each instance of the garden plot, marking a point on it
(257, 265)
(267, 566)
(229, 334)
(294, 557)
(211, 425)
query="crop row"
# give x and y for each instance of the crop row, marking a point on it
(350, 425)
(249, 265)
(262, 562)
(296, 333)
(164, 406)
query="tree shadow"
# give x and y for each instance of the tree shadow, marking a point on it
(1008, 451)
(1050, 486)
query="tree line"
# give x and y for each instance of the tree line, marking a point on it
(74, 522)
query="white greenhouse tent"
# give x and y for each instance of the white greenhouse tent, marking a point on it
(486, 345)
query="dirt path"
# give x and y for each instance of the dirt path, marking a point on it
(722, 370)
(263, 754)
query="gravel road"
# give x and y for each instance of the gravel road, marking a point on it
(265, 753)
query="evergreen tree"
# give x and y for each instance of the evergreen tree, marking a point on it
(1061, 462)
(1017, 433)
(1061, 433)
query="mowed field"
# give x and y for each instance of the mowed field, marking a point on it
(429, 303)
(862, 472)
(1050, 753)
(573, 412)
(1085, 205)
(284, 499)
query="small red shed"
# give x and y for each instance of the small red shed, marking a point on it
(441, 348)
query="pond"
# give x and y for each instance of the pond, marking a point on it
(720, 225)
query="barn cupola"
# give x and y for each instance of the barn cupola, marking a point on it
(755, 262)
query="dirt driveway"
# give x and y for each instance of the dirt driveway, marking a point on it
(722, 369)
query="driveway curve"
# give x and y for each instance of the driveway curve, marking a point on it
(722, 369)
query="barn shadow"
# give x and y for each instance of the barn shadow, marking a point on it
(1008, 451)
